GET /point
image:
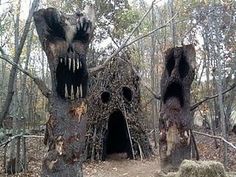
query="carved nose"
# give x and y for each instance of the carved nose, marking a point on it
(70, 49)
(175, 73)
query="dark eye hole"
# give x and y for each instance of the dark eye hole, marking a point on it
(127, 93)
(170, 65)
(183, 67)
(105, 96)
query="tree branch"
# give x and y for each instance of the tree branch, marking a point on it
(19, 135)
(201, 19)
(10, 139)
(194, 106)
(216, 137)
(100, 67)
(151, 32)
(33, 136)
(124, 45)
(39, 82)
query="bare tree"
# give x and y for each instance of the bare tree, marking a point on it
(13, 71)
(153, 79)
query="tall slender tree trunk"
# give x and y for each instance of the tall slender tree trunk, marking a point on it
(14, 145)
(3, 75)
(221, 106)
(23, 93)
(223, 124)
(10, 92)
(218, 75)
(153, 81)
(171, 12)
(211, 114)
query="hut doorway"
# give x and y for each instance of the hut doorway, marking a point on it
(117, 138)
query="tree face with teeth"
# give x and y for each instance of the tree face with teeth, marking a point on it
(175, 117)
(65, 39)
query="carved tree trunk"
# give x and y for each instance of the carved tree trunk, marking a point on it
(175, 117)
(65, 39)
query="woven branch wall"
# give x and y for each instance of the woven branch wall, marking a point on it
(114, 105)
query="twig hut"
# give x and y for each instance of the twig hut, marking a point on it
(115, 117)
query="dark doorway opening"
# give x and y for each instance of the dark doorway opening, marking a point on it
(117, 139)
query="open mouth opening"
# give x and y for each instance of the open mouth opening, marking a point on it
(117, 140)
(174, 90)
(71, 77)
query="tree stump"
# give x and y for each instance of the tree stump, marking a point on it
(65, 39)
(175, 116)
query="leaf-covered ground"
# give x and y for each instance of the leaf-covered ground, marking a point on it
(115, 166)
(118, 167)
(208, 151)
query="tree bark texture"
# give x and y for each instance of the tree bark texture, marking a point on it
(175, 117)
(65, 39)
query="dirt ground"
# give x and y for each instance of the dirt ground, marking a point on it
(122, 167)
(114, 166)
(119, 166)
